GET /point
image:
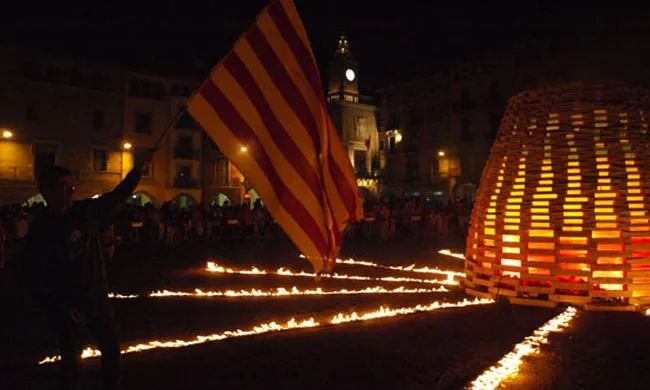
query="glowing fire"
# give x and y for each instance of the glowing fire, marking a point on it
(273, 326)
(281, 292)
(647, 312)
(508, 366)
(89, 352)
(212, 267)
(388, 312)
(447, 252)
(410, 268)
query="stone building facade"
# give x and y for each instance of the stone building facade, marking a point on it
(94, 119)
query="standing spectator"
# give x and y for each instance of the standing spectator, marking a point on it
(63, 264)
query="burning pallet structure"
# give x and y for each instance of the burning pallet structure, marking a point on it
(561, 214)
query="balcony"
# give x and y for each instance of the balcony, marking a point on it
(187, 153)
(186, 182)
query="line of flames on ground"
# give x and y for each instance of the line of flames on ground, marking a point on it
(216, 268)
(408, 268)
(278, 292)
(508, 366)
(448, 252)
(272, 326)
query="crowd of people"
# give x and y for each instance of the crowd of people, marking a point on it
(415, 218)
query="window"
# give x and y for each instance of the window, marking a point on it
(381, 144)
(142, 123)
(360, 161)
(175, 91)
(186, 91)
(183, 171)
(221, 172)
(98, 119)
(184, 147)
(100, 160)
(184, 177)
(31, 114)
(435, 165)
(184, 142)
(391, 143)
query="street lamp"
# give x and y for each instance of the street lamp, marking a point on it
(127, 145)
(243, 149)
(441, 153)
(6, 134)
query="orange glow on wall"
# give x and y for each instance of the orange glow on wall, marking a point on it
(565, 196)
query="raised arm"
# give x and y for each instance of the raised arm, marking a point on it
(110, 200)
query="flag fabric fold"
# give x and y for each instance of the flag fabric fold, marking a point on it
(264, 107)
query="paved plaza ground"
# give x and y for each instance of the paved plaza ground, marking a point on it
(444, 349)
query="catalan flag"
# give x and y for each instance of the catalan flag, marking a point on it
(264, 107)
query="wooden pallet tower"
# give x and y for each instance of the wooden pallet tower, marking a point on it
(561, 214)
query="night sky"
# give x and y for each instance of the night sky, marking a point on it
(393, 40)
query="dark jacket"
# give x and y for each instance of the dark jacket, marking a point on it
(63, 260)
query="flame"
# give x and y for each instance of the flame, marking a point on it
(508, 366)
(89, 352)
(212, 267)
(448, 252)
(122, 296)
(384, 312)
(410, 268)
(273, 326)
(280, 292)
(647, 312)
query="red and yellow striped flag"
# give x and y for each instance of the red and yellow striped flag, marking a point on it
(264, 106)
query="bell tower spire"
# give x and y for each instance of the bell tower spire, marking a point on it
(344, 46)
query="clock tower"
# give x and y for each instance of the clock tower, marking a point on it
(354, 116)
(344, 71)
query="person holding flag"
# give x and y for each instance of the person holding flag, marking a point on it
(63, 266)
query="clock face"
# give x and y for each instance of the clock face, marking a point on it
(350, 75)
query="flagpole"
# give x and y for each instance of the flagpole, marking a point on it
(171, 124)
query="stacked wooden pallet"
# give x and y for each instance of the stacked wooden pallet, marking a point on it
(562, 210)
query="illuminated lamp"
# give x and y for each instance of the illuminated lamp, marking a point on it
(561, 213)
